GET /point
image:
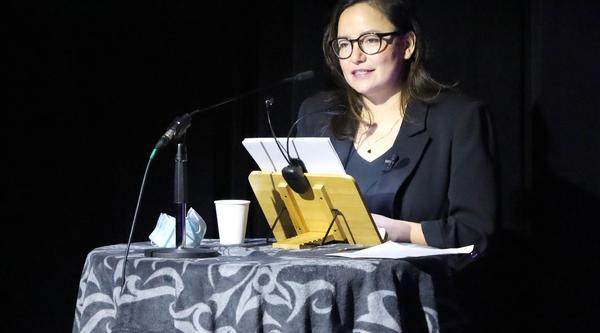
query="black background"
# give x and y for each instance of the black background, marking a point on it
(93, 84)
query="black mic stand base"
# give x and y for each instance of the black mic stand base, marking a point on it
(181, 195)
(179, 253)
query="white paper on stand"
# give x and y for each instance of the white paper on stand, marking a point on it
(318, 154)
(259, 154)
(393, 250)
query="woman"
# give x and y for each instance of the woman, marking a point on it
(421, 156)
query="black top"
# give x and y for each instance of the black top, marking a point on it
(366, 174)
(442, 170)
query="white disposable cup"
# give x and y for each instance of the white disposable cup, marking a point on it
(232, 217)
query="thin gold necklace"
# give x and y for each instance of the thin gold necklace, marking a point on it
(371, 144)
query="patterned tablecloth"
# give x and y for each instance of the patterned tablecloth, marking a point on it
(255, 288)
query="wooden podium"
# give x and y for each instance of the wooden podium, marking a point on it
(332, 211)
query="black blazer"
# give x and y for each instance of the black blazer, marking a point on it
(443, 175)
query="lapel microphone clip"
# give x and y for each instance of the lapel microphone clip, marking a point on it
(390, 163)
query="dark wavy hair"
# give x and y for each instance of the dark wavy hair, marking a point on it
(416, 82)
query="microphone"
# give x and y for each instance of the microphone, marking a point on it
(293, 173)
(294, 78)
(301, 76)
(180, 124)
(175, 130)
(389, 164)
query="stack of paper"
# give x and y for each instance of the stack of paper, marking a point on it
(393, 250)
(318, 154)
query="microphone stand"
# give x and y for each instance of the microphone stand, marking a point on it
(176, 131)
(180, 196)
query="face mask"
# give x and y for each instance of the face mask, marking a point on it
(163, 234)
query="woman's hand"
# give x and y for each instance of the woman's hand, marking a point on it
(399, 230)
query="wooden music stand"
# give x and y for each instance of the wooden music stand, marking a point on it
(333, 211)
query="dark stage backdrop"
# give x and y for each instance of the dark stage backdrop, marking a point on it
(93, 84)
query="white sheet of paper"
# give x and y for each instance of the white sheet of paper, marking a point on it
(393, 250)
(318, 154)
(259, 154)
(273, 153)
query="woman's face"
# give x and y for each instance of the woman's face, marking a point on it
(375, 76)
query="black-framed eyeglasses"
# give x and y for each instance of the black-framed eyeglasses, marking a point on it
(369, 43)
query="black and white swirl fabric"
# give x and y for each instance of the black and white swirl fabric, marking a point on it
(258, 289)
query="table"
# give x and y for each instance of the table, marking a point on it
(255, 287)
